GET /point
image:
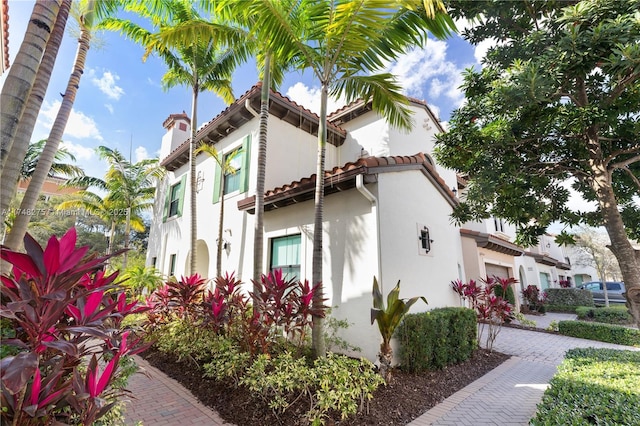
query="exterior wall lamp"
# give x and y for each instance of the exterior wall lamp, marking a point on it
(425, 240)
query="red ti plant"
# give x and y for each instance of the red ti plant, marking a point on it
(286, 305)
(186, 295)
(64, 309)
(226, 304)
(492, 310)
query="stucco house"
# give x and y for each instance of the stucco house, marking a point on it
(387, 204)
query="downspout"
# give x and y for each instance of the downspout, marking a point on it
(249, 108)
(374, 207)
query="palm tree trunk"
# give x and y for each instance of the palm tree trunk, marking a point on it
(192, 176)
(127, 232)
(317, 335)
(11, 170)
(19, 228)
(21, 76)
(220, 228)
(258, 237)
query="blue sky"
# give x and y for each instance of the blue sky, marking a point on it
(120, 102)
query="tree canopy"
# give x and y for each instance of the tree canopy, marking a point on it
(557, 102)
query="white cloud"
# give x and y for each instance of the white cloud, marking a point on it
(79, 126)
(109, 107)
(82, 153)
(141, 153)
(309, 97)
(429, 68)
(107, 84)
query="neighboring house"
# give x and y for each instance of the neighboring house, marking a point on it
(545, 265)
(387, 205)
(53, 186)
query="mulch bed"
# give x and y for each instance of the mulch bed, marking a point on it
(406, 398)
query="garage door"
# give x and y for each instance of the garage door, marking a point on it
(497, 270)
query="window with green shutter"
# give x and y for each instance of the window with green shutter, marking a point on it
(238, 181)
(174, 202)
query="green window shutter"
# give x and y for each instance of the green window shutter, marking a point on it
(183, 185)
(167, 200)
(217, 183)
(246, 161)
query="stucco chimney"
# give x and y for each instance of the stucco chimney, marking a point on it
(178, 130)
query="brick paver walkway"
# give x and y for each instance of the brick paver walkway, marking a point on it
(508, 395)
(161, 401)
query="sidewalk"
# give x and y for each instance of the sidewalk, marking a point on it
(508, 395)
(162, 401)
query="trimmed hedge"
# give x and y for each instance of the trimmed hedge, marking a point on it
(603, 332)
(604, 315)
(563, 308)
(569, 297)
(434, 339)
(511, 297)
(593, 386)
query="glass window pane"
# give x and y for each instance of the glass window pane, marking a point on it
(285, 255)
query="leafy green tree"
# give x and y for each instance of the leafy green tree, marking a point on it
(557, 100)
(345, 44)
(201, 64)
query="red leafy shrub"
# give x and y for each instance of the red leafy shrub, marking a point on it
(256, 321)
(492, 310)
(64, 311)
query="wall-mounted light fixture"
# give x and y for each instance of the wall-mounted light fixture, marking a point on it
(199, 181)
(425, 240)
(455, 191)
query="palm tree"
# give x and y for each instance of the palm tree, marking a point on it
(106, 208)
(57, 168)
(11, 170)
(22, 74)
(200, 64)
(226, 165)
(130, 190)
(272, 65)
(345, 42)
(86, 16)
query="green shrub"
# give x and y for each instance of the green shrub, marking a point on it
(434, 339)
(511, 297)
(605, 315)
(593, 386)
(569, 297)
(184, 339)
(568, 309)
(227, 362)
(334, 382)
(603, 332)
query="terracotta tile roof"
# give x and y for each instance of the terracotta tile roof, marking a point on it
(235, 115)
(173, 117)
(493, 242)
(4, 21)
(343, 177)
